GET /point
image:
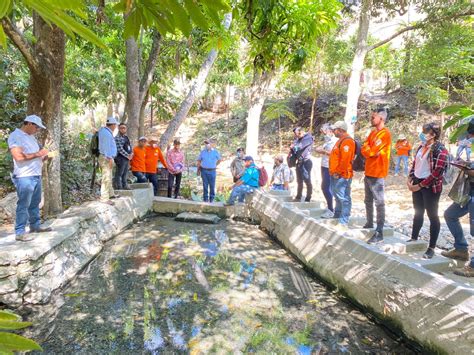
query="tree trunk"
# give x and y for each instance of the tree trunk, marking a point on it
(141, 123)
(132, 105)
(44, 100)
(188, 102)
(258, 93)
(353, 90)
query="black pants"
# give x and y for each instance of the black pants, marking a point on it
(171, 179)
(303, 174)
(153, 178)
(121, 171)
(375, 194)
(426, 200)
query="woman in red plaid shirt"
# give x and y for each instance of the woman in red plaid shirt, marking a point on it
(425, 181)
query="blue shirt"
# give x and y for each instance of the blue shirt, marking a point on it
(209, 158)
(251, 176)
(107, 146)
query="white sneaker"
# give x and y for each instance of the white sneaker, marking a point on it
(327, 214)
(396, 174)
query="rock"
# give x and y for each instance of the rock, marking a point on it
(8, 207)
(198, 218)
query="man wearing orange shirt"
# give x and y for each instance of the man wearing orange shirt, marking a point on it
(137, 164)
(152, 155)
(402, 148)
(376, 150)
(340, 170)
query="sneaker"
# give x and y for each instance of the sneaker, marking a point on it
(328, 214)
(429, 253)
(396, 174)
(376, 238)
(128, 188)
(412, 240)
(466, 271)
(457, 254)
(23, 237)
(307, 199)
(297, 199)
(368, 226)
(41, 230)
(115, 196)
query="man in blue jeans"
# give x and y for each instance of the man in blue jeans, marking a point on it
(247, 184)
(27, 161)
(452, 216)
(207, 163)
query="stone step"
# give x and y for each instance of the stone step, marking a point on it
(280, 193)
(139, 185)
(305, 205)
(438, 263)
(356, 230)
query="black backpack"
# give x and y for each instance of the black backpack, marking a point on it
(358, 162)
(94, 146)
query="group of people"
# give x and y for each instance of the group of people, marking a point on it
(339, 151)
(142, 160)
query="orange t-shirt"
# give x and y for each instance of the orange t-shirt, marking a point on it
(152, 155)
(376, 150)
(138, 160)
(341, 157)
(402, 147)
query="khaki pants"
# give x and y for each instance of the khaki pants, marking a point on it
(106, 187)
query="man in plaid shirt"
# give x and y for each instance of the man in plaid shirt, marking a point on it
(122, 160)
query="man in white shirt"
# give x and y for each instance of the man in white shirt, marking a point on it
(28, 161)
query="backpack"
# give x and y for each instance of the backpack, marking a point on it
(358, 162)
(94, 145)
(262, 176)
(293, 155)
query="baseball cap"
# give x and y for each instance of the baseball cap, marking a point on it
(402, 137)
(240, 149)
(111, 120)
(207, 141)
(142, 138)
(36, 120)
(153, 139)
(339, 125)
(248, 157)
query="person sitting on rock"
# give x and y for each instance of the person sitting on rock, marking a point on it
(237, 167)
(281, 175)
(246, 184)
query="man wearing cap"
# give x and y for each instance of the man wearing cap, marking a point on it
(27, 164)
(175, 162)
(301, 147)
(137, 164)
(124, 155)
(108, 152)
(340, 170)
(153, 154)
(402, 150)
(376, 150)
(246, 184)
(237, 167)
(207, 163)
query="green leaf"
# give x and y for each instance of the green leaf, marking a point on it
(458, 131)
(180, 16)
(452, 122)
(5, 7)
(17, 342)
(196, 14)
(3, 38)
(5, 351)
(12, 325)
(5, 315)
(451, 110)
(132, 25)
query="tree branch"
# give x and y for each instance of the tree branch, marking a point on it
(470, 12)
(147, 77)
(21, 43)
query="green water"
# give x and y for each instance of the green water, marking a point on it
(169, 287)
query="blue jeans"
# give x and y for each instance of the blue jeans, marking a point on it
(460, 150)
(239, 193)
(326, 187)
(208, 184)
(279, 187)
(153, 178)
(452, 216)
(341, 189)
(28, 190)
(401, 158)
(141, 177)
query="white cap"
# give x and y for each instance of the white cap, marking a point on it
(143, 138)
(339, 125)
(111, 120)
(36, 120)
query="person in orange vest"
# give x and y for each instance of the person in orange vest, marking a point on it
(376, 150)
(153, 154)
(402, 149)
(137, 164)
(340, 170)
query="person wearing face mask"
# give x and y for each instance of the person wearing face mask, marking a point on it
(281, 176)
(153, 154)
(207, 163)
(426, 184)
(376, 151)
(325, 150)
(108, 152)
(302, 147)
(237, 167)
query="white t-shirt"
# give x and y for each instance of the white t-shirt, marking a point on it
(329, 143)
(422, 164)
(30, 145)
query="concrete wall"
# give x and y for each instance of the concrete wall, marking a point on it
(30, 271)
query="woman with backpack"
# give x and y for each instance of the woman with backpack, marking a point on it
(425, 181)
(282, 175)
